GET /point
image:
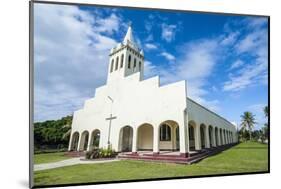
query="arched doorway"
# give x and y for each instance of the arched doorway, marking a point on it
(145, 137)
(216, 136)
(211, 136)
(202, 136)
(95, 139)
(169, 136)
(191, 134)
(74, 142)
(126, 139)
(84, 141)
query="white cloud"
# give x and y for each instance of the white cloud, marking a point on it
(149, 38)
(149, 69)
(237, 64)
(109, 24)
(255, 72)
(168, 56)
(168, 32)
(230, 38)
(195, 65)
(71, 49)
(150, 46)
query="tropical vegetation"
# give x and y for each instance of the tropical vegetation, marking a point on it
(247, 127)
(52, 135)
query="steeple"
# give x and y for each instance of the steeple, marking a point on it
(129, 39)
(125, 59)
(129, 36)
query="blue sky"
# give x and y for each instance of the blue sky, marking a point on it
(223, 57)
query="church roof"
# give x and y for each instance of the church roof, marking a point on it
(129, 36)
(129, 39)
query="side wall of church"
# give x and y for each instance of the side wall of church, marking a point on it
(200, 115)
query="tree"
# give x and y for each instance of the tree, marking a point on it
(265, 128)
(248, 122)
(52, 134)
(265, 110)
(68, 123)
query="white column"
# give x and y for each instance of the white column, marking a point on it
(207, 140)
(219, 137)
(79, 142)
(197, 137)
(70, 142)
(89, 142)
(156, 139)
(183, 138)
(214, 137)
(227, 137)
(135, 139)
(223, 138)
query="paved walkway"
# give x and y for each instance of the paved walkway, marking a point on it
(68, 162)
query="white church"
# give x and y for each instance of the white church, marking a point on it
(135, 115)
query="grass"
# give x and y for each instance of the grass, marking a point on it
(49, 157)
(245, 157)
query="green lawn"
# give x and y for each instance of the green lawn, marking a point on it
(245, 157)
(49, 157)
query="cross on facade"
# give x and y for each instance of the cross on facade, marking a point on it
(109, 129)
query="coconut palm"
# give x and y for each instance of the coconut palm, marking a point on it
(247, 122)
(68, 123)
(265, 128)
(265, 110)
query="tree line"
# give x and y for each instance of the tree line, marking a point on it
(52, 134)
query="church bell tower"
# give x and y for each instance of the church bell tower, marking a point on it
(125, 59)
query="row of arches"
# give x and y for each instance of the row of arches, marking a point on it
(85, 141)
(167, 137)
(203, 136)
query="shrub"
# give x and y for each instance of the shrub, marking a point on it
(100, 153)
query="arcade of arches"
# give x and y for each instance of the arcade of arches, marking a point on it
(165, 137)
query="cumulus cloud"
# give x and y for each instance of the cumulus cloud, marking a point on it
(168, 56)
(230, 38)
(150, 46)
(195, 64)
(254, 45)
(168, 32)
(237, 64)
(70, 58)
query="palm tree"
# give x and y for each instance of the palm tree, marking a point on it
(265, 110)
(68, 123)
(265, 129)
(247, 122)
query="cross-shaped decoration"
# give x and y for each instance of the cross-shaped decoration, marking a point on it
(109, 129)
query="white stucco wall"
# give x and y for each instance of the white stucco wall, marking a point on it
(136, 102)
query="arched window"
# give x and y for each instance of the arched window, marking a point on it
(116, 64)
(111, 66)
(165, 132)
(135, 63)
(139, 65)
(129, 61)
(122, 59)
